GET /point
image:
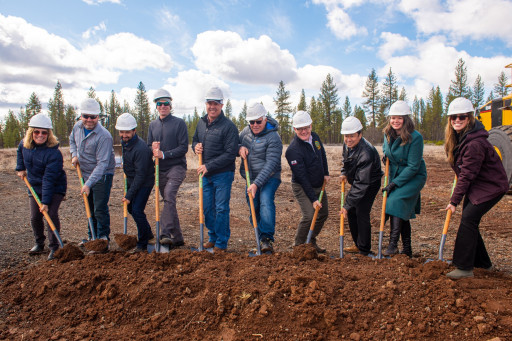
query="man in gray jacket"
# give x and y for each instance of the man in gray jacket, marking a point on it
(261, 145)
(91, 147)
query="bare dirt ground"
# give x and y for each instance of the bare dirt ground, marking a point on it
(291, 295)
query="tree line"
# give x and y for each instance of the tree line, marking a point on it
(326, 109)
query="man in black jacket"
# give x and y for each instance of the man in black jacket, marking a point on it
(216, 138)
(308, 162)
(168, 137)
(140, 175)
(361, 168)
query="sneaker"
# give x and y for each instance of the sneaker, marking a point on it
(351, 249)
(458, 273)
(138, 250)
(165, 240)
(37, 249)
(266, 245)
(51, 255)
(209, 245)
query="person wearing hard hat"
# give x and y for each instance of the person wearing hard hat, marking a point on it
(403, 146)
(140, 177)
(40, 161)
(308, 162)
(481, 181)
(361, 168)
(91, 146)
(216, 138)
(168, 138)
(261, 145)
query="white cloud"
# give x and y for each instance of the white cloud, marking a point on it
(99, 2)
(342, 26)
(257, 61)
(92, 31)
(393, 42)
(473, 19)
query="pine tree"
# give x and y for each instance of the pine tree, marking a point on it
(113, 111)
(389, 92)
(490, 97)
(56, 110)
(360, 115)
(459, 86)
(241, 122)
(12, 132)
(32, 108)
(403, 95)
(302, 102)
(142, 111)
(347, 108)
(228, 110)
(283, 110)
(500, 89)
(371, 93)
(1, 135)
(416, 112)
(332, 116)
(477, 96)
(192, 124)
(316, 113)
(70, 118)
(434, 119)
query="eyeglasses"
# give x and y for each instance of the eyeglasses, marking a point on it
(165, 104)
(90, 117)
(255, 122)
(460, 117)
(40, 132)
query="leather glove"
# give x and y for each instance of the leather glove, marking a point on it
(384, 158)
(389, 187)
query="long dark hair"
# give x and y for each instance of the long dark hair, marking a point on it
(450, 136)
(405, 132)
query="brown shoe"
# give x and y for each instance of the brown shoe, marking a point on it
(209, 245)
(352, 249)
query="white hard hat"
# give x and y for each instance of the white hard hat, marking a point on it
(399, 108)
(214, 94)
(90, 106)
(351, 125)
(162, 93)
(40, 121)
(255, 111)
(301, 119)
(126, 122)
(460, 105)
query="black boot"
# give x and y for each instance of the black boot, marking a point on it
(394, 235)
(406, 238)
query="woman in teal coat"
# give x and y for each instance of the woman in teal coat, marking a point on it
(403, 146)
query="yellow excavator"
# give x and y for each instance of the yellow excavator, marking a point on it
(496, 116)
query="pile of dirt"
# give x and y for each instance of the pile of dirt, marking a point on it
(68, 253)
(98, 245)
(125, 241)
(188, 295)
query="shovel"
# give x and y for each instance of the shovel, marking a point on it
(446, 225)
(310, 233)
(47, 217)
(383, 214)
(86, 202)
(125, 206)
(253, 213)
(201, 214)
(342, 219)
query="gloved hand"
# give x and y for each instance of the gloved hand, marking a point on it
(389, 187)
(384, 158)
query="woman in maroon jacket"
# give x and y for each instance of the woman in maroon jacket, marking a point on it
(481, 180)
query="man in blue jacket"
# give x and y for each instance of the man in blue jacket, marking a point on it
(216, 138)
(140, 176)
(261, 145)
(308, 162)
(168, 137)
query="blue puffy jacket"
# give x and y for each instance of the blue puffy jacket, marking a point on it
(44, 168)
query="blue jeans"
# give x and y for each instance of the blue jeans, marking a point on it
(216, 196)
(98, 203)
(136, 208)
(265, 208)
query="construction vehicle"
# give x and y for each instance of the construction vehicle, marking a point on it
(496, 116)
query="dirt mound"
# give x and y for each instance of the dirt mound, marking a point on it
(187, 295)
(99, 245)
(125, 241)
(304, 252)
(68, 253)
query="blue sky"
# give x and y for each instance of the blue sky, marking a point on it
(245, 47)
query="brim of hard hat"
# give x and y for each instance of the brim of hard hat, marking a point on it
(213, 100)
(253, 118)
(460, 112)
(89, 112)
(352, 131)
(159, 98)
(302, 125)
(124, 128)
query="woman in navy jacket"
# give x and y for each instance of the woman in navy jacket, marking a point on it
(40, 160)
(481, 180)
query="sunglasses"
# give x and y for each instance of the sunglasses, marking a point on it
(90, 117)
(255, 122)
(165, 104)
(460, 117)
(40, 132)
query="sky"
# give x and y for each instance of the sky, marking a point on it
(244, 47)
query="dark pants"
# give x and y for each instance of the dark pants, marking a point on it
(469, 251)
(37, 221)
(359, 219)
(98, 202)
(306, 206)
(169, 182)
(136, 209)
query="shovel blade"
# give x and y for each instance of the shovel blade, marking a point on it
(164, 248)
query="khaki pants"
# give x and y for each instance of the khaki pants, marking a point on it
(306, 206)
